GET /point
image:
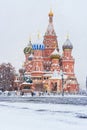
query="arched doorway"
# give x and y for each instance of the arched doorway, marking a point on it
(54, 86)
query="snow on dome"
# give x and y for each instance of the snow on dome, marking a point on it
(38, 44)
(55, 54)
(67, 44)
(50, 30)
(30, 57)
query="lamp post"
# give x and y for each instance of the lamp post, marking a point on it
(62, 78)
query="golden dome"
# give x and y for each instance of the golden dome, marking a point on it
(55, 54)
(51, 13)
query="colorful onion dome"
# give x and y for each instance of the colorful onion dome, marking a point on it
(27, 79)
(30, 57)
(28, 49)
(51, 13)
(55, 54)
(67, 44)
(38, 46)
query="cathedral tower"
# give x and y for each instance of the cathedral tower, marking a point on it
(38, 59)
(67, 59)
(50, 42)
(71, 83)
(37, 66)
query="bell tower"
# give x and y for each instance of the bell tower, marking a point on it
(68, 67)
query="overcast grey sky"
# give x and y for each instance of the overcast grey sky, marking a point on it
(21, 18)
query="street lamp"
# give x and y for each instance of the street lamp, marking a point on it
(62, 78)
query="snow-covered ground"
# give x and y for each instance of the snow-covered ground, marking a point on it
(32, 116)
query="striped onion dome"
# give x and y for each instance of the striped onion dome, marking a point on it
(38, 46)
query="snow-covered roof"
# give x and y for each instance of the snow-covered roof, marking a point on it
(26, 83)
(56, 75)
(47, 75)
(50, 30)
(67, 44)
(16, 81)
(55, 52)
(31, 55)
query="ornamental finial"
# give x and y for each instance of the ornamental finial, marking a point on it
(29, 38)
(29, 42)
(38, 35)
(51, 12)
(67, 36)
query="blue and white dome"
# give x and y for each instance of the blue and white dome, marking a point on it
(38, 46)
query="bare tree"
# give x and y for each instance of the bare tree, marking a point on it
(7, 76)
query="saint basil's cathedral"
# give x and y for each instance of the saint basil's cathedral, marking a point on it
(46, 67)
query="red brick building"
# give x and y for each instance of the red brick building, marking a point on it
(44, 63)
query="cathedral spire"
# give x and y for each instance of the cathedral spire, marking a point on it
(29, 43)
(50, 38)
(29, 38)
(50, 16)
(67, 36)
(38, 35)
(50, 28)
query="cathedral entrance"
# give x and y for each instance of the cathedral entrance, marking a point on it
(54, 87)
